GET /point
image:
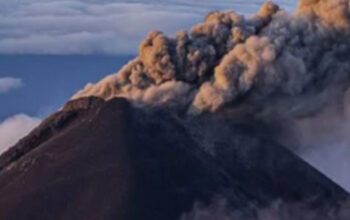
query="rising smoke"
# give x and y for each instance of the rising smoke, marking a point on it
(273, 65)
(229, 57)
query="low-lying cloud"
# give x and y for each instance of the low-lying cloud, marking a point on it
(8, 83)
(14, 128)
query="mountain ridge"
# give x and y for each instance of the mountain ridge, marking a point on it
(112, 160)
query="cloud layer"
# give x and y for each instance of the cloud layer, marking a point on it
(14, 128)
(9, 83)
(87, 26)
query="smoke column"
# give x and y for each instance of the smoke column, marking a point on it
(292, 69)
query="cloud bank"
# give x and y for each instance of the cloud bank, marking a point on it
(88, 27)
(8, 83)
(14, 128)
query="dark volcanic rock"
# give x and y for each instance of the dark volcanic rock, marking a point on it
(110, 160)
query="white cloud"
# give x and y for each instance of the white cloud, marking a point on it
(104, 26)
(9, 83)
(14, 128)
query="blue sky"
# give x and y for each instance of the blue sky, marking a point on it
(49, 49)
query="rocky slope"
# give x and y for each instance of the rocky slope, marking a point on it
(98, 159)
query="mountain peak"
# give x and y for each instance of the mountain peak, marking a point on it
(111, 160)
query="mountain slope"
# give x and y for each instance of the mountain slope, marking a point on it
(100, 159)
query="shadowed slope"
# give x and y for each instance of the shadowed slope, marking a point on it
(110, 160)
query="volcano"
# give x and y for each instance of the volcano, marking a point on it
(99, 159)
(202, 126)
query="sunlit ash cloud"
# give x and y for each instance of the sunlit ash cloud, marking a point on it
(242, 66)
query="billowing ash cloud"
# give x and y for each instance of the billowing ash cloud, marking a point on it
(290, 69)
(228, 57)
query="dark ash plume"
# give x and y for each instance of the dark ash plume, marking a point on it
(292, 70)
(228, 57)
